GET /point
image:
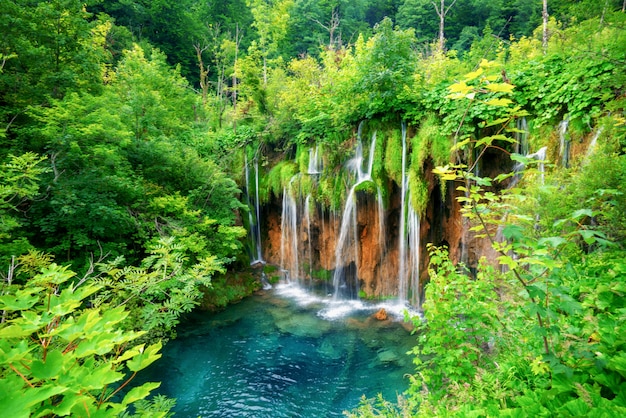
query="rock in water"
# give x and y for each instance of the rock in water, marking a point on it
(381, 315)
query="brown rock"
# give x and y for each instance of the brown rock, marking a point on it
(381, 315)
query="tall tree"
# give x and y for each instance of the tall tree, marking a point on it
(442, 11)
(270, 20)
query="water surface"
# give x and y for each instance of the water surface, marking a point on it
(282, 353)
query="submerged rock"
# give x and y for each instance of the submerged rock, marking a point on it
(303, 325)
(388, 356)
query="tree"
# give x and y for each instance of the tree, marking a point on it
(270, 21)
(442, 11)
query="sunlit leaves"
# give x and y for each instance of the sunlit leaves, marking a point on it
(66, 356)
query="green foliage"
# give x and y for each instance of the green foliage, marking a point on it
(157, 293)
(368, 187)
(59, 358)
(527, 341)
(393, 157)
(228, 288)
(430, 142)
(418, 188)
(461, 323)
(385, 66)
(19, 182)
(278, 180)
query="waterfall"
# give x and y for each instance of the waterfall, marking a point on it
(315, 162)
(414, 224)
(403, 290)
(348, 234)
(541, 156)
(521, 136)
(409, 239)
(348, 230)
(307, 220)
(258, 211)
(289, 236)
(254, 215)
(593, 144)
(564, 143)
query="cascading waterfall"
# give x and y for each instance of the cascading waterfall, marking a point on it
(348, 234)
(307, 220)
(564, 143)
(289, 236)
(409, 239)
(403, 290)
(521, 136)
(315, 162)
(593, 144)
(541, 156)
(414, 224)
(254, 215)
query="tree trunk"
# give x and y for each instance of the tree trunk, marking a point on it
(442, 21)
(545, 27)
(442, 11)
(204, 72)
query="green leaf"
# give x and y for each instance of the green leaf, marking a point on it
(513, 232)
(588, 236)
(140, 392)
(22, 299)
(145, 357)
(554, 242)
(581, 213)
(50, 368)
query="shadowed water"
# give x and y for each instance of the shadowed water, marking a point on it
(283, 353)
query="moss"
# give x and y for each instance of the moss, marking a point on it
(322, 274)
(367, 186)
(418, 188)
(279, 177)
(228, 288)
(430, 142)
(302, 158)
(272, 273)
(393, 156)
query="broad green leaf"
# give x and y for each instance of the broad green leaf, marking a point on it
(581, 213)
(513, 232)
(140, 392)
(50, 368)
(145, 357)
(22, 300)
(588, 236)
(554, 242)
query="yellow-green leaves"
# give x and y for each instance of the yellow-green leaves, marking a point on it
(445, 173)
(499, 87)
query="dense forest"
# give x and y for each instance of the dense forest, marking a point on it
(126, 127)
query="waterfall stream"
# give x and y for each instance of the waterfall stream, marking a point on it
(348, 234)
(254, 213)
(408, 239)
